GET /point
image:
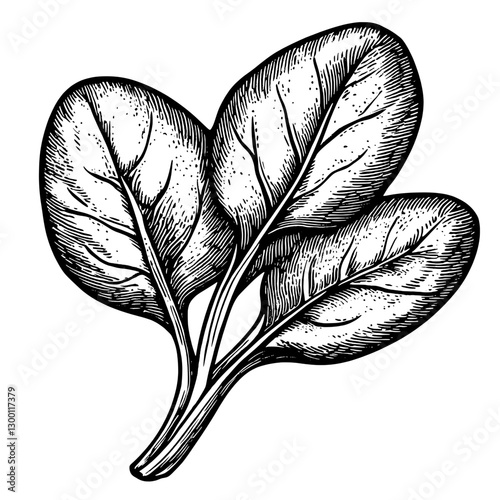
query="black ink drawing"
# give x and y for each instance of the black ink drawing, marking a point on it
(145, 207)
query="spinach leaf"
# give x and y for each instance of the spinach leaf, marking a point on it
(315, 133)
(334, 297)
(126, 199)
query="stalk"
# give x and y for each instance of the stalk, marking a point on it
(207, 394)
(179, 403)
(190, 428)
(181, 339)
(224, 297)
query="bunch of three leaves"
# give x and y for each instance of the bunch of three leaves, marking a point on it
(145, 208)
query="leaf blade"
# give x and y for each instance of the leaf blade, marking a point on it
(310, 98)
(117, 160)
(374, 281)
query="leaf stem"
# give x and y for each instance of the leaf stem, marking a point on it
(190, 428)
(180, 400)
(182, 342)
(224, 297)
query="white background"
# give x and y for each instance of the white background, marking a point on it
(376, 428)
